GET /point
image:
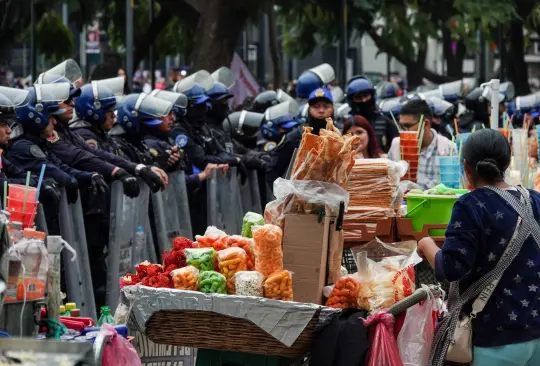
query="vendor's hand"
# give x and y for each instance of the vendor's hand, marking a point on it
(162, 175)
(425, 245)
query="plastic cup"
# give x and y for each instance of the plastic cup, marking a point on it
(408, 135)
(16, 191)
(505, 132)
(450, 169)
(18, 205)
(450, 177)
(408, 143)
(449, 160)
(453, 184)
(408, 150)
(27, 219)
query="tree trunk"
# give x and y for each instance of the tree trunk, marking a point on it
(415, 70)
(454, 62)
(142, 45)
(273, 44)
(517, 67)
(219, 27)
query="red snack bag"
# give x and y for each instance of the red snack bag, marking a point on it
(384, 350)
(247, 245)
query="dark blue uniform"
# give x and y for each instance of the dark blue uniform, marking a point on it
(72, 150)
(134, 152)
(282, 155)
(13, 175)
(30, 153)
(158, 146)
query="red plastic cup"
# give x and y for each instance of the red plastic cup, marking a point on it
(27, 219)
(18, 205)
(409, 150)
(408, 143)
(408, 135)
(16, 191)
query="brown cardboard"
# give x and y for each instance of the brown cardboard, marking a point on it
(305, 253)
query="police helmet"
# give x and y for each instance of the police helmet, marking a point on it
(280, 116)
(264, 100)
(69, 69)
(218, 92)
(320, 94)
(314, 78)
(391, 107)
(357, 85)
(201, 77)
(41, 102)
(50, 78)
(337, 94)
(138, 109)
(95, 100)
(244, 124)
(386, 89)
(195, 93)
(179, 100)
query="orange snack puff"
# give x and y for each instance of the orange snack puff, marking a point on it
(268, 252)
(246, 244)
(345, 293)
(230, 261)
(186, 278)
(212, 238)
(278, 286)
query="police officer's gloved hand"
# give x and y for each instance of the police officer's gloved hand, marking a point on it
(129, 182)
(99, 186)
(49, 194)
(251, 161)
(72, 191)
(242, 171)
(152, 179)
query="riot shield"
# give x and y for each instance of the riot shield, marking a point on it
(41, 223)
(69, 69)
(249, 192)
(224, 204)
(201, 77)
(282, 96)
(126, 217)
(78, 275)
(171, 212)
(337, 94)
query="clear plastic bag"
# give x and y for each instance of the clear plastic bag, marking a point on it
(345, 293)
(212, 238)
(251, 219)
(213, 282)
(118, 351)
(186, 278)
(249, 283)
(201, 258)
(384, 350)
(278, 286)
(416, 335)
(237, 241)
(230, 261)
(304, 197)
(268, 252)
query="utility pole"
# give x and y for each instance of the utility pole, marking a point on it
(129, 42)
(344, 43)
(33, 50)
(65, 13)
(152, 56)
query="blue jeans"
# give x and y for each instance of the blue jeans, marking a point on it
(520, 354)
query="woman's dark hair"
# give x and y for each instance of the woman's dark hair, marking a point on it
(488, 155)
(373, 149)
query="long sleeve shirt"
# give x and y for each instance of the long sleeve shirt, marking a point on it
(481, 226)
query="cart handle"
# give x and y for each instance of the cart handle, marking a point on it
(409, 213)
(419, 295)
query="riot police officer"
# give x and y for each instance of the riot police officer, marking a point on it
(361, 99)
(321, 106)
(279, 120)
(10, 99)
(264, 100)
(312, 79)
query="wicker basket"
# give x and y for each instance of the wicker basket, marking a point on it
(209, 330)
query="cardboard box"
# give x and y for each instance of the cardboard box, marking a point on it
(305, 253)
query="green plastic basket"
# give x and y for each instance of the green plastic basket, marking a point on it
(425, 209)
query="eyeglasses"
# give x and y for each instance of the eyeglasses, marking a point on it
(408, 127)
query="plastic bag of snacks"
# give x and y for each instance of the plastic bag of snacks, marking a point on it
(278, 286)
(212, 238)
(247, 245)
(251, 219)
(201, 258)
(345, 293)
(268, 252)
(212, 282)
(186, 278)
(176, 257)
(249, 283)
(230, 261)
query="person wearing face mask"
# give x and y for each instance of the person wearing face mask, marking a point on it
(361, 100)
(321, 107)
(368, 147)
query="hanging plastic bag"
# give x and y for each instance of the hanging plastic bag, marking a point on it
(416, 335)
(384, 350)
(117, 351)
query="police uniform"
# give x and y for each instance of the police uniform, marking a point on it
(282, 155)
(13, 175)
(135, 152)
(385, 130)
